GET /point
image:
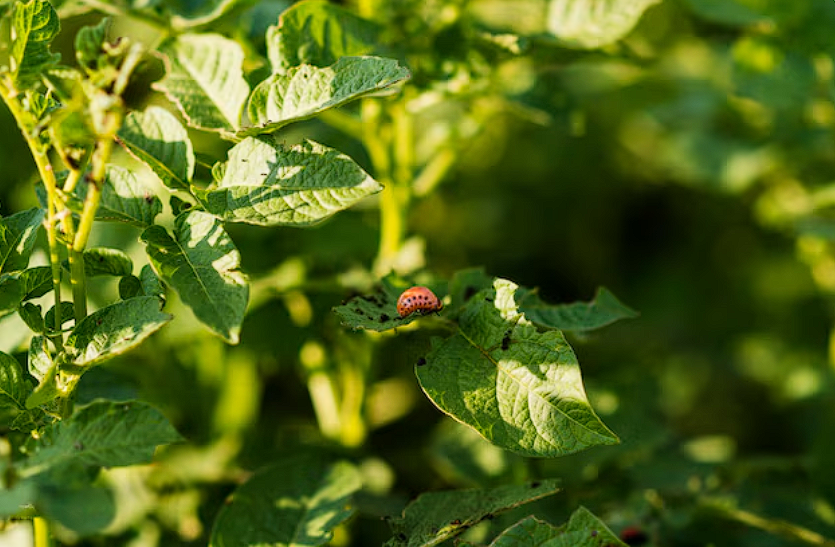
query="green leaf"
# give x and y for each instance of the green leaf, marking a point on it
(579, 316)
(582, 530)
(210, 11)
(11, 293)
(156, 138)
(304, 91)
(14, 498)
(204, 78)
(203, 265)
(130, 287)
(319, 33)
(378, 311)
(42, 367)
(151, 284)
(296, 501)
(106, 261)
(88, 44)
(267, 184)
(125, 199)
(32, 315)
(13, 385)
(85, 509)
(35, 282)
(519, 388)
(103, 433)
(589, 24)
(466, 284)
(115, 329)
(34, 25)
(437, 516)
(17, 238)
(67, 315)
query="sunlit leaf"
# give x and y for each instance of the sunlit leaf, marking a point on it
(156, 138)
(267, 184)
(125, 199)
(304, 91)
(204, 78)
(295, 502)
(34, 25)
(591, 24)
(115, 329)
(437, 516)
(519, 388)
(203, 265)
(17, 238)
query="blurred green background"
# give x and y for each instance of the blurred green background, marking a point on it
(687, 168)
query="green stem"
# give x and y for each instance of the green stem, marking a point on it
(42, 536)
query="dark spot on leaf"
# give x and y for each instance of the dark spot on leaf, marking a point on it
(401, 536)
(384, 317)
(98, 322)
(368, 298)
(359, 312)
(421, 362)
(594, 533)
(469, 292)
(506, 339)
(488, 299)
(78, 445)
(536, 484)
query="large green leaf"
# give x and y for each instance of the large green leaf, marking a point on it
(519, 388)
(591, 24)
(582, 530)
(17, 238)
(203, 265)
(14, 388)
(579, 316)
(156, 138)
(267, 184)
(106, 261)
(204, 78)
(103, 433)
(437, 516)
(317, 32)
(125, 199)
(295, 502)
(306, 90)
(34, 25)
(115, 329)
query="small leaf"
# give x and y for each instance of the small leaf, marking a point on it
(17, 238)
(32, 315)
(304, 91)
(39, 361)
(13, 385)
(589, 24)
(11, 293)
(42, 367)
(267, 184)
(115, 329)
(319, 33)
(437, 516)
(130, 287)
(579, 316)
(378, 311)
(88, 44)
(103, 433)
(67, 315)
(582, 530)
(519, 388)
(156, 138)
(106, 261)
(204, 78)
(34, 25)
(125, 199)
(297, 501)
(203, 265)
(151, 284)
(36, 282)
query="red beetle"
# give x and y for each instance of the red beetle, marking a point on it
(418, 299)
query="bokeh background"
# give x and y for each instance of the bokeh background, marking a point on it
(688, 168)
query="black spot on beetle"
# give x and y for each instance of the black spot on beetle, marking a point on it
(384, 317)
(421, 362)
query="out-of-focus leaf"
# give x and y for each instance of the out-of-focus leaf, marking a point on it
(317, 32)
(297, 501)
(304, 91)
(204, 78)
(589, 24)
(267, 184)
(519, 388)
(437, 516)
(84, 509)
(34, 25)
(17, 238)
(13, 385)
(156, 138)
(115, 329)
(203, 265)
(579, 316)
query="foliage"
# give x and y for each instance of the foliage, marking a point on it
(169, 292)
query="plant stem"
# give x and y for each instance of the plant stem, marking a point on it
(42, 536)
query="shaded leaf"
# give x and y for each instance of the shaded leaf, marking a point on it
(267, 184)
(35, 282)
(103, 433)
(304, 91)
(156, 138)
(13, 385)
(297, 501)
(115, 329)
(85, 509)
(319, 33)
(88, 44)
(125, 199)
(203, 265)
(106, 261)
(437, 516)
(67, 314)
(589, 24)
(519, 388)
(32, 315)
(579, 316)
(582, 530)
(205, 80)
(17, 238)
(34, 25)
(11, 293)
(130, 287)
